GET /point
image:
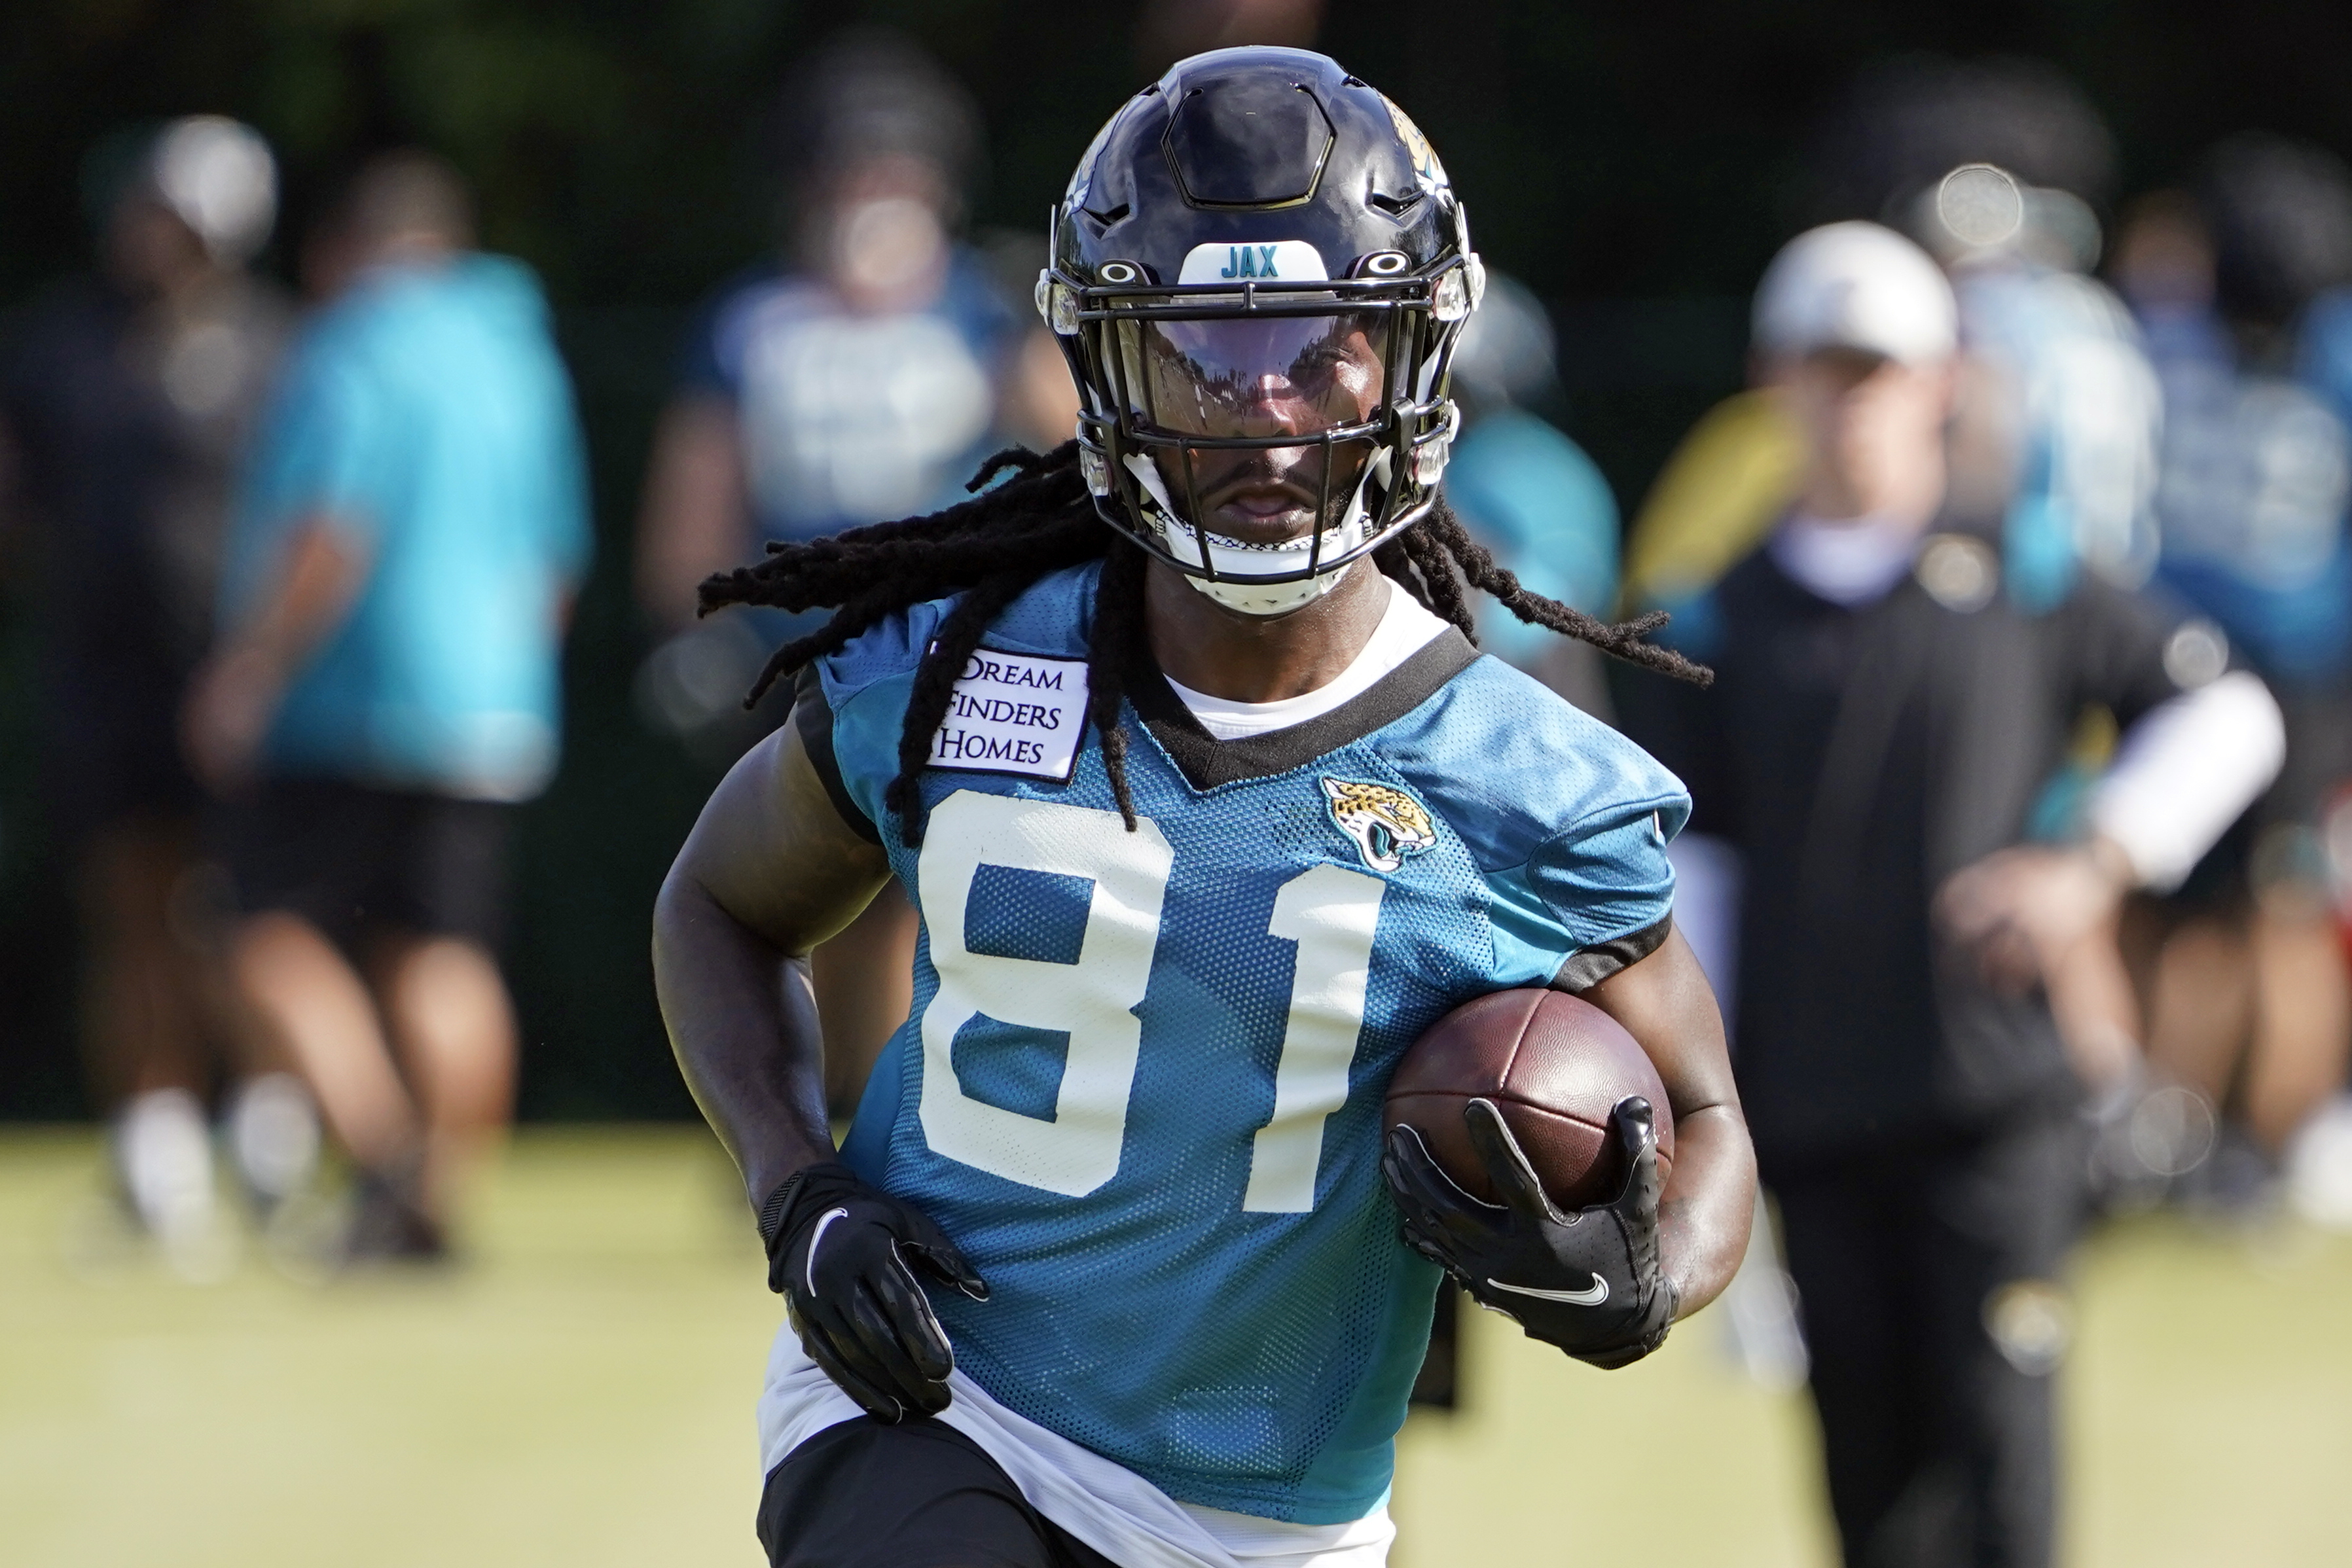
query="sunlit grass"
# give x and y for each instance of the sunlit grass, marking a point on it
(2207, 1410)
(581, 1395)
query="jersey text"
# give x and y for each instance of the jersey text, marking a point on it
(1013, 712)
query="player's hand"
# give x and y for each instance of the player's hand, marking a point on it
(231, 702)
(843, 1253)
(2025, 913)
(1590, 1283)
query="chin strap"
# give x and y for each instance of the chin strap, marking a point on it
(1234, 589)
(1270, 598)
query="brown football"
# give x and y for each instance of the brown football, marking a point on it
(1554, 1066)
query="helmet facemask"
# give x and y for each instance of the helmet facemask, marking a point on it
(1250, 436)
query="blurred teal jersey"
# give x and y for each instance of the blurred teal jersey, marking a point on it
(1531, 495)
(427, 417)
(1141, 1084)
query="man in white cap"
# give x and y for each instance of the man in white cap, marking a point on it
(1885, 721)
(126, 401)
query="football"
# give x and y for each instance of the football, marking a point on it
(1554, 1066)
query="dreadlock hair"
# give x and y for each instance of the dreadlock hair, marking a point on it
(1041, 521)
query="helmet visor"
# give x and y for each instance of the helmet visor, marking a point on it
(1256, 376)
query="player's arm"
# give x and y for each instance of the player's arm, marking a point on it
(1665, 1003)
(1605, 1283)
(693, 520)
(2200, 743)
(234, 698)
(770, 871)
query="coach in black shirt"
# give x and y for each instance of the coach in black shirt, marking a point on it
(1882, 723)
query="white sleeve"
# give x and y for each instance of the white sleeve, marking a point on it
(2186, 771)
(1707, 875)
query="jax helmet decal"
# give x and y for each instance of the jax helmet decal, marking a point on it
(1260, 253)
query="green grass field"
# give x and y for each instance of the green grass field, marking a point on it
(581, 1395)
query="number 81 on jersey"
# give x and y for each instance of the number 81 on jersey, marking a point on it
(1329, 911)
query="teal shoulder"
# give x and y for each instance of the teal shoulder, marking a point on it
(1051, 619)
(1510, 764)
(866, 680)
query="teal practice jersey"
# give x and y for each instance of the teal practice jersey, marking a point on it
(1141, 1084)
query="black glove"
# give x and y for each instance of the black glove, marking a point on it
(1588, 1282)
(838, 1251)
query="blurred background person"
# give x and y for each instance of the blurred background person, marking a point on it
(850, 379)
(855, 379)
(1994, 167)
(126, 399)
(2056, 412)
(1997, 168)
(1529, 493)
(1884, 717)
(386, 686)
(2237, 282)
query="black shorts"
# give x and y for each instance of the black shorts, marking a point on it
(356, 861)
(917, 1495)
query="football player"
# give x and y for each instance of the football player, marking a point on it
(1177, 738)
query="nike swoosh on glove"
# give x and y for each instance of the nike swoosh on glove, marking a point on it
(842, 1254)
(1589, 1281)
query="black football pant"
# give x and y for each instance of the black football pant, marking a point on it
(917, 1495)
(1927, 1277)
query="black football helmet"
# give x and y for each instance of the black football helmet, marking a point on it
(1259, 275)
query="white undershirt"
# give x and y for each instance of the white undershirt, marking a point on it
(1404, 630)
(1100, 1502)
(1851, 562)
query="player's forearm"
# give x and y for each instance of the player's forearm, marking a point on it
(1708, 1204)
(326, 567)
(770, 871)
(2185, 772)
(742, 1022)
(1665, 1003)
(693, 521)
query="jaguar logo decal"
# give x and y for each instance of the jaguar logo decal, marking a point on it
(1385, 824)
